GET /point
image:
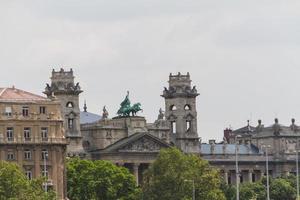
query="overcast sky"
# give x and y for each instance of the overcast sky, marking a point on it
(243, 56)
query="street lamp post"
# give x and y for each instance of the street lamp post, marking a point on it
(45, 169)
(193, 182)
(297, 168)
(237, 177)
(267, 169)
(297, 172)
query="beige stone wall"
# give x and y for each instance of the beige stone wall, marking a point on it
(101, 134)
(19, 146)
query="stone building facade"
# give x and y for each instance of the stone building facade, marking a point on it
(67, 92)
(133, 142)
(32, 135)
(281, 143)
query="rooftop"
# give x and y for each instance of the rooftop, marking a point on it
(87, 117)
(14, 94)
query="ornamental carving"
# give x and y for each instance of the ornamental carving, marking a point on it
(142, 145)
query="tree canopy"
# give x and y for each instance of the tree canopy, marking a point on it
(99, 180)
(173, 174)
(14, 185)
(280, 188)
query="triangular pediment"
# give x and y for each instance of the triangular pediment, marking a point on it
(140, 142)
(144, 144)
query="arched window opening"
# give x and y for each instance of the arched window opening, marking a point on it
(187, 107)
(188, 125)
(173, 107)
(173, 127)
(70, 104)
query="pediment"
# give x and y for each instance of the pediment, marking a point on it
(137, 143)
(144, 144)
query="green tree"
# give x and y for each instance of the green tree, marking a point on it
(15, 185)
(281, 188)
(228, 190)
(99, 180)
(172, 175)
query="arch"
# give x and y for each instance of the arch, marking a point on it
(173, 107)
(187, 107)
(70, 104)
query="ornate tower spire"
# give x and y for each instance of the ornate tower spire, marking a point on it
(180, 111)
(63, 87)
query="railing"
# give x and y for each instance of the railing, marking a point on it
(30, 116)
(33, 140)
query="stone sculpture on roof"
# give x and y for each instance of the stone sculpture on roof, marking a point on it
(104, 113)
(126, 107)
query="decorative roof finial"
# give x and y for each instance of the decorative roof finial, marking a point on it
(293, 121)
(104, 113)
(161, 114)
(85, 107)
(259, 122)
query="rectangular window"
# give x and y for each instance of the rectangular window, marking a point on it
(8, 111)
(27, 155)
(25, 111)
(10, 155)
(10, 133)
(173, 127)
(45, 172)
(253, 177)
(70, 123)
(45, 154)
(27, 134)
(29, 174)
(42, 110)
(188, 125)
(44, 133)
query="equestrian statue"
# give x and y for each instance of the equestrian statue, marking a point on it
(126, 107)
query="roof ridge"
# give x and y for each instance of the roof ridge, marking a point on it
(29, 93)
(4, 89)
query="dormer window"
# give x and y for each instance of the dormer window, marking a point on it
(70, 105)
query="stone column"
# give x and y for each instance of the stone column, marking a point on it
(37, 163)
(20, 156)
(2, 154)
(250, 172)
(136, 172)
(226, 176)
(262, 173)
(54, 167)
(286, 173)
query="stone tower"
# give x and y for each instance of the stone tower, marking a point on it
(63, 88)
(180, 111)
